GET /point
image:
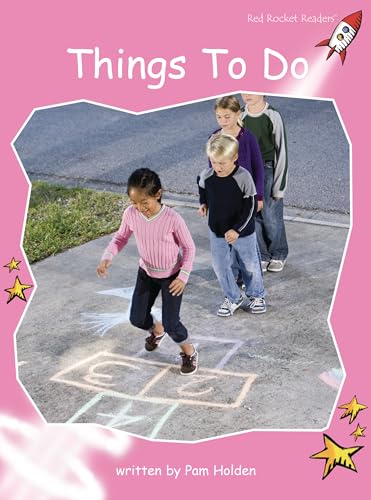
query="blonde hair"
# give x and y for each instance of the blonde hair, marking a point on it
(222, 145)
(228, 102)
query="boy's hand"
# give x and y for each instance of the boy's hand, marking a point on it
(231, 236)
(102, 268)
(176, 287)
(202, 210)
(260, 205)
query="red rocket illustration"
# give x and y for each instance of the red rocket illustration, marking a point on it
(343, 35)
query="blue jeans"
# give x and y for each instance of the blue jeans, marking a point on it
(245, 250)
(270, 227)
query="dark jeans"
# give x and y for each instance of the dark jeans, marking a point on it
(270, 227)
(144, 296)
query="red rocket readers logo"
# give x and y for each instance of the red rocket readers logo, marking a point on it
(343, 35)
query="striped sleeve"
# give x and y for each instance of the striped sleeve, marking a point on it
(205, 174)
(249, 202)
(184, 239)
(280, 161)
(120, 238)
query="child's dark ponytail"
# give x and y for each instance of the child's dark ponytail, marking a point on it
(146, 180)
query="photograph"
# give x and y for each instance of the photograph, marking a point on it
(250, 315)
(183, 265)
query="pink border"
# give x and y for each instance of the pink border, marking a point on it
(39, 73)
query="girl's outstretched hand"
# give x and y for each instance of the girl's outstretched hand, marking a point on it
(103, 268)
(176, 287)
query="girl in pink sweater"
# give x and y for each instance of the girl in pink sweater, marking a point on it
(160, 234)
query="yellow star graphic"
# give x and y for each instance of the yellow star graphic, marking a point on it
(352, 409)
(336, 455)
(13, 264)
(17, 290)
(358, 432)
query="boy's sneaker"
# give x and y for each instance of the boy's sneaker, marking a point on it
(228, 307)
(189, 363)
(275, 266)
(256, 305)
(265, 264)
(153, 341)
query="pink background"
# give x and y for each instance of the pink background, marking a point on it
(37, 72)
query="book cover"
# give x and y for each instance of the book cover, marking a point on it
(279, 404)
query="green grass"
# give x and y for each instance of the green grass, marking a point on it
(60, 218)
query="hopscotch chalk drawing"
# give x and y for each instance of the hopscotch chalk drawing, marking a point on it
(106, 370)
(138, 417)
(139, 395)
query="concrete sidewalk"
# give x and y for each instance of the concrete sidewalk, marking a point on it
(81, 360)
